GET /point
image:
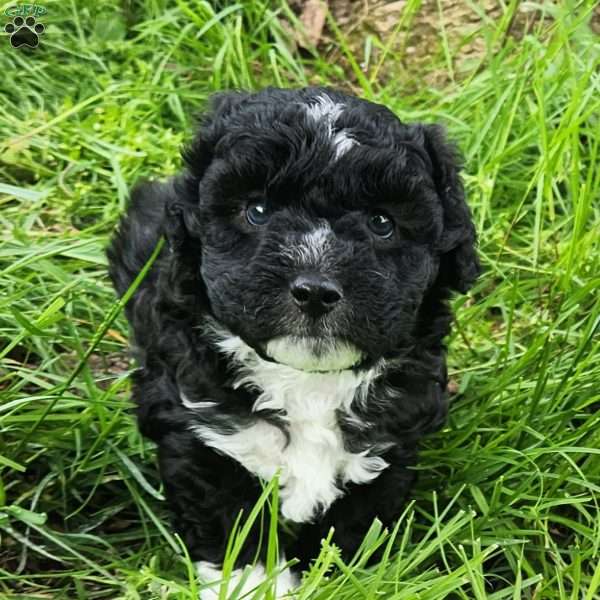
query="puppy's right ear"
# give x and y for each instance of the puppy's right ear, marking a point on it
(181, 224)
(214, 124)
(173, 225)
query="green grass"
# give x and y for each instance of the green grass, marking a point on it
(507, 502)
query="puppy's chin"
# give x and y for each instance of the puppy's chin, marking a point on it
(313, 354)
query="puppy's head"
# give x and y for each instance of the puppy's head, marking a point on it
(319, 223)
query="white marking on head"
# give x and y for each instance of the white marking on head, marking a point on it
(342, 142)
(325, 110)
(313, 458)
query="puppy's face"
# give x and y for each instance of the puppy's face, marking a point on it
(323, 224)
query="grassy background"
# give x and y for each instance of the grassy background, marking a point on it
(507, 504)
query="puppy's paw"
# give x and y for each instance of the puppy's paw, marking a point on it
(243, 583)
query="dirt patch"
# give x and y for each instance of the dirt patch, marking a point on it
(445, 32)
(104, 366)
(107, 367)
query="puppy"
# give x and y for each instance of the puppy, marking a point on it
(294, 322)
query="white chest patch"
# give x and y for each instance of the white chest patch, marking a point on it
(313, 460)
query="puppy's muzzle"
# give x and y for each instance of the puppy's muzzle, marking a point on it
(315, 294)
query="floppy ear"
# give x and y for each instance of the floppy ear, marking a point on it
(180, 216)
(459, 265)
(213, 124)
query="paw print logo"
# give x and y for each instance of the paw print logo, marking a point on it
(24, 32)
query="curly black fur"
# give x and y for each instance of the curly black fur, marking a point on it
(217, 266)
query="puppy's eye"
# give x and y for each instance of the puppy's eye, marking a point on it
(381, 225)
(257, 213)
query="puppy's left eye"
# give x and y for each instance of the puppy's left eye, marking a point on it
(381, 225)
(257, 213)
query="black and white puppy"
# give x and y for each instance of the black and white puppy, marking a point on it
(295, 321)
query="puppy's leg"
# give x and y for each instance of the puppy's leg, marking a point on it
(206, 492)
(352, 515)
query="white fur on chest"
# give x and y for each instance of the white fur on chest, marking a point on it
(313, 459)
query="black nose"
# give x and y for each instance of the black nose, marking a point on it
(315, 294)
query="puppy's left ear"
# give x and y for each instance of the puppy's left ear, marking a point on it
(459, 265)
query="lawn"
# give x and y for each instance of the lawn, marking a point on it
(507, 500)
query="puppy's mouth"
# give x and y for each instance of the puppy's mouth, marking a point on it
(314, 354)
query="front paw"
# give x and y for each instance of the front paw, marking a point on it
(243, 583)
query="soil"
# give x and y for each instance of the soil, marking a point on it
(415, 39)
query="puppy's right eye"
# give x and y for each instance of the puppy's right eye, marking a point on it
(257, 213)
(381, 225)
